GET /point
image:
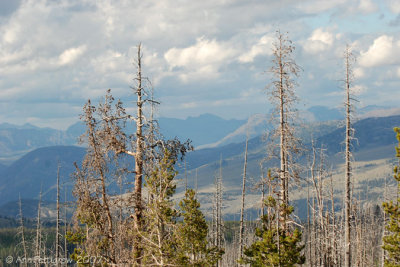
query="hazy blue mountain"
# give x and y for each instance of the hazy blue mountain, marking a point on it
(38, 169)
(2, 167)
(206, 130)
(369, 132)
(30, 206)
(322, 113)
(16, 141)
(76, 130)
(203, 129)
(370, 108)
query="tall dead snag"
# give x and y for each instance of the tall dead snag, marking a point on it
(139, 155)
(22, 231)
(349, 61)
(241, 230)
(65, 227)
(38, 238)
(277, 243)
(57, 245)
(217, 233)
(282, 95)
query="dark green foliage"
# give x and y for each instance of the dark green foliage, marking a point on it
(193, 249)
(266, 252)
(159, 243)
(275, 246)
(391, 242)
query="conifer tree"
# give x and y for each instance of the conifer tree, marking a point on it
(158, 240)
(391, 242)
(193, 247)
(275, 246)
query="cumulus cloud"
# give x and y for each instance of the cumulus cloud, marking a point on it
(70, 55)
(358, 73)
(262, 47)
(384, 51)
(315, 7)
(367, 6)
(319, 41)
(394, 6)
(201, 59)
(68, 51)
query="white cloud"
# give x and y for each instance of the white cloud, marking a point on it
(394, 6)
(358, 73)
(70, 55)
(199, 60)
(383, 51)
(367, 6)
(263, 47)
(204, 52)
(315, 7)
(319, 41)
(98, 38)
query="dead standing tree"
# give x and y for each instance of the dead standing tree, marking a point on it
(241, 230)
(282, 94)
(349, 61)
(138, 155)
(217, 227)
(22, 231)
(38, 238)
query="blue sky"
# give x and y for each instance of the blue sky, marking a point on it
(202, 56)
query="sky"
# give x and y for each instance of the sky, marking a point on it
(204, 56)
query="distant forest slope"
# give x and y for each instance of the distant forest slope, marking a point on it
(374, 151)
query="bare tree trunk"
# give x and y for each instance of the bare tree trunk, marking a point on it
(58, 217)
(309, 226)
(282, 144)
(241, 236)
(333, 231)
(383, 258)
(139, 157)
(65, 228)
(21, 222)
(219, 222)
(348, 161)
(262, 191)
(38, 231)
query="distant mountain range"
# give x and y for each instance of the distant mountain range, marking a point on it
(37, 169)
(16, 141)
(206, 131)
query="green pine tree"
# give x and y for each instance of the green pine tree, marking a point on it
(159, 242)
(391, 242)
(275, 246)
(193, 249)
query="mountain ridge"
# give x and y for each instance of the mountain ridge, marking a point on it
(24, 176)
